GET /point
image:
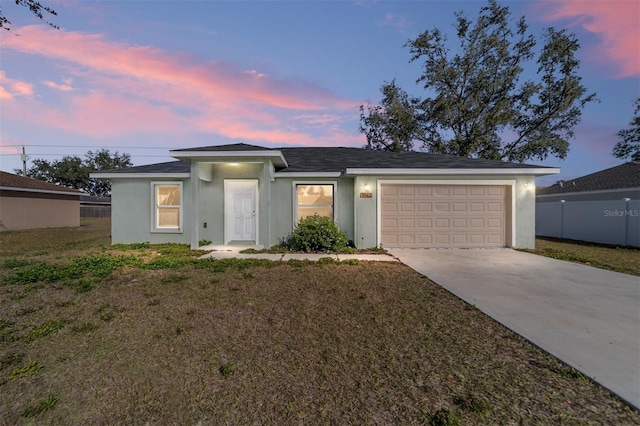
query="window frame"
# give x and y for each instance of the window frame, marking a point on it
(295, 185)
(155, 208)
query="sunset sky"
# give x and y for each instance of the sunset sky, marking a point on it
(144, 77)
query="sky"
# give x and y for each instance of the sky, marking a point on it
(145, 77)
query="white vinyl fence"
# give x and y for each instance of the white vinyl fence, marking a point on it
(610, 222)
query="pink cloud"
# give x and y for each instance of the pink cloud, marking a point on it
(615, 22)
(64, 87)
(153, 64)
(10, 88)
(146, 89)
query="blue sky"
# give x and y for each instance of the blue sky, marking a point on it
(144, 77)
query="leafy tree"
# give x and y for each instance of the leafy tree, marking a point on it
(629, 144)
(73, 172)
(35, 7)
(479, 106)
(104, 160)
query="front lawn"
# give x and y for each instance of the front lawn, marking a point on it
(137, 335)
(619, 259)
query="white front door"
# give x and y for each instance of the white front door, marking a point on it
(240, 210)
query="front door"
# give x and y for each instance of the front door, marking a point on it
(240, 210)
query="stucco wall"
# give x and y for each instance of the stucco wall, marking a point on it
(366, 231)
(211, 196)
(357, 217)
(17, 212)
(132, 212)
(282, 191)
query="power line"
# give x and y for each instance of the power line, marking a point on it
(58, 154)
(82, 146)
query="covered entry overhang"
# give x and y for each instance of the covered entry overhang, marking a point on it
(245, 198)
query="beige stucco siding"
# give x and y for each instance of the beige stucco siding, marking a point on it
(39, 211)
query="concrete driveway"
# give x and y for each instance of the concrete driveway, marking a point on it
(587, 317)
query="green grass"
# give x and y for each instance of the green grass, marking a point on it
(248, 341)
(619, 259)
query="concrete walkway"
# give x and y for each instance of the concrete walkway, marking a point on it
(587, 317)
(226, 252)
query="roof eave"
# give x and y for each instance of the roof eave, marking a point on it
(42, 191)
(307, 174)
(276, 156)
(158, 175)
(452, 171)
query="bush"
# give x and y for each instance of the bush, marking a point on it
(316, 234)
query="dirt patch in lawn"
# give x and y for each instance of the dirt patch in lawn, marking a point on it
(619, 259)
(281, 343)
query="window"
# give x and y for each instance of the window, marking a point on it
(314, 198)
(167, 199)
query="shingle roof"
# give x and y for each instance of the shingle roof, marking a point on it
(10, 180)
(231, 147)
(168, 167)
(332, 159)
(623, 176)
(338, 159)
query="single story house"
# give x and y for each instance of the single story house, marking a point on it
(246, 194)
(30, 203)
(92, 206)
(615, 183)
(602, 207)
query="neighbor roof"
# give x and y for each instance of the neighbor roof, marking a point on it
(331, 160)
(626, 175)
(9, 181)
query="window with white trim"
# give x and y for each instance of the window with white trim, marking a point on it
(167, 206)
(313, 199)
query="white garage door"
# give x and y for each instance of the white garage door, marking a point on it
(419, 215)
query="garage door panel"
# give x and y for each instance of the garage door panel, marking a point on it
(422, 215)
(407, 191)
(407, 223)
(407, 207)
(442, 207)
(442, 222)
(424, 238)
(459, 222)
(389, 207)
(460, 207)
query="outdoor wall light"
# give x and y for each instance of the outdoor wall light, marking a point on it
(366, 187)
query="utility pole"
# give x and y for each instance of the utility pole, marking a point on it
(24, 162)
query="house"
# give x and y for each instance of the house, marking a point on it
(615, 183)
(30, 203)
(601, 207)
(92, 206)
(246, 194)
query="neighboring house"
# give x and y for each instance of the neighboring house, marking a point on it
(94, 207)
(245, 194)
(30, 203)
(602, 207)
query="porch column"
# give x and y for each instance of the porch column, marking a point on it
(194, 208)
(265, 203)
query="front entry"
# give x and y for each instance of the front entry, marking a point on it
(240, 211)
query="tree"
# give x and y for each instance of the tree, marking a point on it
(629, 144)
(35, 7)
(73, 172)
(479, 106)
(104, 160)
